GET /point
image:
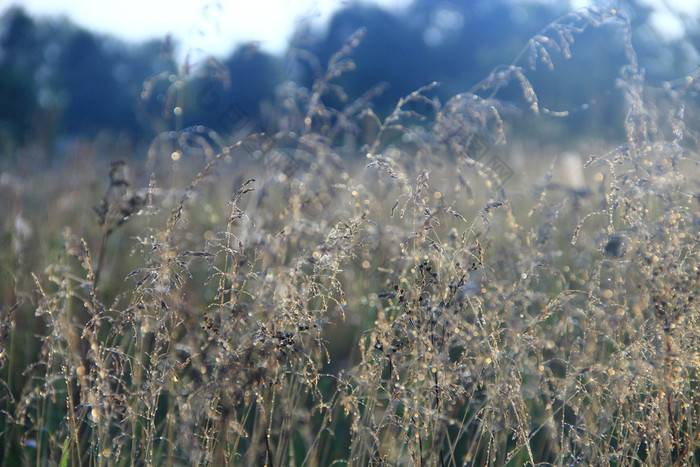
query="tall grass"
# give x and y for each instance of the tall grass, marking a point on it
(347, 289)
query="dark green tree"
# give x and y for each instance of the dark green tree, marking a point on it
(18, 50)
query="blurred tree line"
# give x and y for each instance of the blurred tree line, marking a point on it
(57, 80)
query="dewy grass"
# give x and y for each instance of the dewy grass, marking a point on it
(408, 307)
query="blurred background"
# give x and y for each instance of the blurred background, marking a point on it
(124, 72)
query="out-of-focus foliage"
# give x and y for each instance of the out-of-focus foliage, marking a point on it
(17, 92)
(58, 80)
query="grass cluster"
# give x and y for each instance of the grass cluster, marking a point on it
(351, 290)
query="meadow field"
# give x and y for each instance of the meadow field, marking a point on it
(340, 288)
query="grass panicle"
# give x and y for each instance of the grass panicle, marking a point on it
(350, 289)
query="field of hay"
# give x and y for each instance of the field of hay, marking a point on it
(350, 290)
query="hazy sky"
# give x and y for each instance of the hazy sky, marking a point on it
(216, 27)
